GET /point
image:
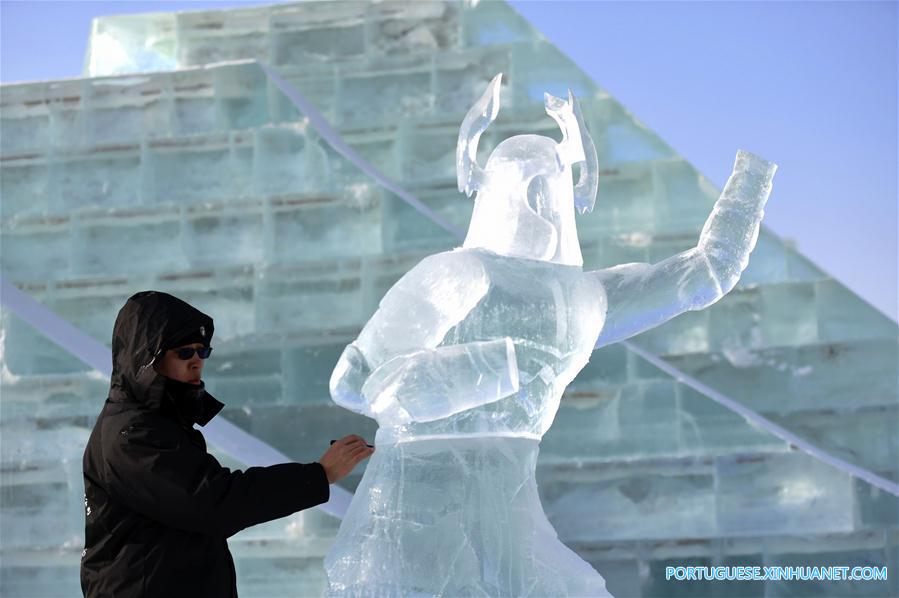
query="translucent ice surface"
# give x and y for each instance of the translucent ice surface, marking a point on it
(465, 361)
(454, 517)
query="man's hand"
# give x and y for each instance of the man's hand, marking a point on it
(343, 455)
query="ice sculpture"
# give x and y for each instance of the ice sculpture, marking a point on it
(465, 361)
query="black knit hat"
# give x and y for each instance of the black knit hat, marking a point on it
(198, 335)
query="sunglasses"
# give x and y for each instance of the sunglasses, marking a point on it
(188, 352)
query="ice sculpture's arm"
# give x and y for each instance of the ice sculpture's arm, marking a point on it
(642, 296)
(396, 368)
(436, 383)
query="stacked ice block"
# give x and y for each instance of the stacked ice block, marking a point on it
(175, 164)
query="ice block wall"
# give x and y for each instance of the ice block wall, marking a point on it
(169, 169)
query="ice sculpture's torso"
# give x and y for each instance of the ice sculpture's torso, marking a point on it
(450, 507)
(553, 314)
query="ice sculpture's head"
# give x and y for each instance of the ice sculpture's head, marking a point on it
(526, 196)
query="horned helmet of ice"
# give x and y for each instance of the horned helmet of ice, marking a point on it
(526, 194)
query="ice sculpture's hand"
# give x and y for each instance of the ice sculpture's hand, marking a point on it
(731, 231)
(343, 456)
(380, 393)
(534, 361)
(389, 413)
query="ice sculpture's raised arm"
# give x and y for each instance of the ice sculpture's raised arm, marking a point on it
(642, 296)
(396, 372)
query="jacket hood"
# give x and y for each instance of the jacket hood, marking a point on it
(149, 323)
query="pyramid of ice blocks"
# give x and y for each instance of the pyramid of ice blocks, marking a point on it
(171, 166)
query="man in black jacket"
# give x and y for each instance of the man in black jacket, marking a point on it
(158, 507)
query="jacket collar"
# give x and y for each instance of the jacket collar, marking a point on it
(211, 408)
(160, 398)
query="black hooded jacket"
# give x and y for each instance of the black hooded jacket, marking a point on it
(158, 507)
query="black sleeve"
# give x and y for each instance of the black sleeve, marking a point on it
(159, 473)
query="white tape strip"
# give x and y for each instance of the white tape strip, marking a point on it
(334, 139)
(764, 423)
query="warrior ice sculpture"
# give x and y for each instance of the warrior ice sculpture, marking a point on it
(464, 364)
